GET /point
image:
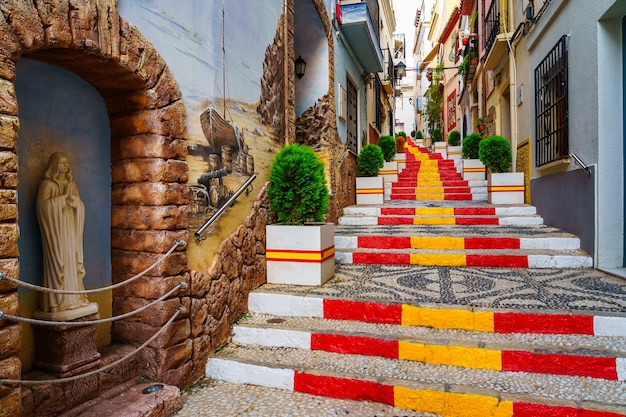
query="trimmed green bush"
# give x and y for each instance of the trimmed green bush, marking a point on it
(436, 135)
(454, 138)
(470, 146)
(419, 135)
(495, 153)
(412, 133)
(370, 161)
(298, 191)
(388, 146)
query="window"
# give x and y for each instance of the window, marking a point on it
(551, 108)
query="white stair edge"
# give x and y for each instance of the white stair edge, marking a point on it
(244, 373)
(559, 261)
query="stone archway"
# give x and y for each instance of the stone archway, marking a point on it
(148, 167)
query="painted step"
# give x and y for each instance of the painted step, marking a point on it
(591, 357)
(468, 258)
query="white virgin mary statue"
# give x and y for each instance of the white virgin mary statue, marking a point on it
(61, 216)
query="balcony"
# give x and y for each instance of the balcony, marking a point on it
(359, 32)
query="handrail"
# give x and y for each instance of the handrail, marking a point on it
(222, 209)
(581, 163)
(345, 153)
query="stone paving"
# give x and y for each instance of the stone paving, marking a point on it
(580, 290)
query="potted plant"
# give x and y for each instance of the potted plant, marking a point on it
(369, 186)
(503, 187)
(438, 142)
(473, 168)
(389, 171)
(419, 138)
(400, 157)
(454, 147)
(300, 248)
(480, 125)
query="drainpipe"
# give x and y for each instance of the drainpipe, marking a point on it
(286, 64)
(512, 89)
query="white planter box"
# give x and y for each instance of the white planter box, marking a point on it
(400, 158)
(473, 169)
(300, 255)
(442, 148)
(506, 188)
(369, 190)
(454, 153)
(389, 172)
(418, 142)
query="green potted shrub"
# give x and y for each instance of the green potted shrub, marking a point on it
(419, 138)
(300, 247)
(473, 168)
(400, 156)
(454, 148)
(369, 186)
(438, 143)
(503, 187)
(389, 171)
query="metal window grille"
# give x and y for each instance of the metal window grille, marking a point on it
(492, 25)
(551, 106)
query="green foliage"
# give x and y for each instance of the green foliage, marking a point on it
(401, 133)
(370, 160)
(388, 146)
(470, 146)
(495, 153)
(298, 191)
(412, 133)
(419, 135)
(454, 138)
(434, 99)
(436, 135)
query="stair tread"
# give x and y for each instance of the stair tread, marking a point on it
(478, 252)
(514, 386)
(531, 231)
(583, 345)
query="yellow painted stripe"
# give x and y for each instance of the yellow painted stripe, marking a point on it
(473, 169)
(429, 196)
(293, 255)
(437, 259)
(451, 404)
(369, 191)
(438, 242)
(431, 183)
(447, 318)
(442, 211)
(506, 188)
(467, 357)
(454, 153)
(434, 220)
(388, 172)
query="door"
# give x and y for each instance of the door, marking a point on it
(353, 131)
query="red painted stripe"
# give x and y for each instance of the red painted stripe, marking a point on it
(517, 361)
(349, 389)
(457, 197)
(381, 258)
(475, 211)
(500, 261)
(387, 221)
(360, 311)
(398, 211)
(355, 345)
(469, 221)
(491, 243)
(384, 242)
(541, 410)
(542, 323)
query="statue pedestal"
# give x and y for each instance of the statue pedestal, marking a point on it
(67, 350)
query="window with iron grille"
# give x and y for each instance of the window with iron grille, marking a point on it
(551, 106)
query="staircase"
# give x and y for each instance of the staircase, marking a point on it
(444, 305)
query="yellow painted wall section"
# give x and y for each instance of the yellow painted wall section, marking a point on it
(434, 220)
(437, 242)
(429, 211)
(451, 404)
(468, 357)
(447, 318)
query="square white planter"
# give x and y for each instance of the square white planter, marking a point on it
(473, 169)
(418, 142)
(400, 158)
(300, 255)
(442, 148)
(454, 153)
(389, 172)
(505, 188)
(369, 190)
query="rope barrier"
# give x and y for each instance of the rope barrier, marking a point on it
(180, 285)
(96, 371)
(177, 243)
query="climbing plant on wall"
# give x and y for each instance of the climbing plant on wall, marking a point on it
(434, 99)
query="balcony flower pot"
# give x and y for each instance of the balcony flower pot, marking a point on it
(300, 249)
(369, 186)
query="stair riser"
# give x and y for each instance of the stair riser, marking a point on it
(431, 400)
(462, 260)
(462, 356)
(438, 318)
(468, 221)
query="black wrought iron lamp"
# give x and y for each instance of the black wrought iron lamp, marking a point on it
(300, 67)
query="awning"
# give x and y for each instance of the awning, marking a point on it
(359, 31)
(431, 55)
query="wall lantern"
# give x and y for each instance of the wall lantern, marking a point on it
(411, 101)
(300, 67)
(400, 70)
